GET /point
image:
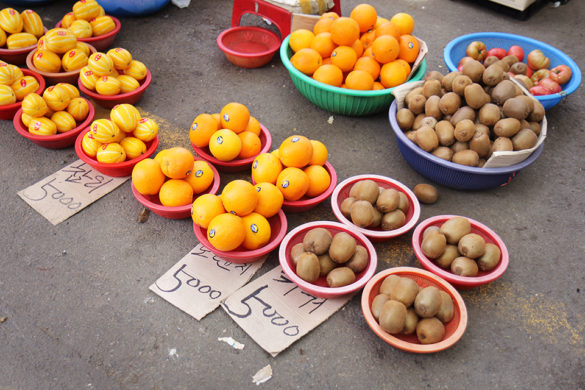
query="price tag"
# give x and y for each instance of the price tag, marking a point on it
(68, 191)
(276, 313)
(200, 281)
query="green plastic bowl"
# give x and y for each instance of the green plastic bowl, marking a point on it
(340, 100)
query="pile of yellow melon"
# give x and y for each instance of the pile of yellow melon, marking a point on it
(88, 19)
(20, 30)
(14, 85)
(59, 49)
(120, 138)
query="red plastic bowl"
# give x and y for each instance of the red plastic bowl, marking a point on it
(248, 46)
(101, 42)
(376, 234)
(57, 141)
(152, 202)
(17, 56)
(59, 77)
(8, 111)
(461, 282)
(115, 169)
(238, 164)
(454, 329)
(320, 287)
(109, 101)
(278, 226)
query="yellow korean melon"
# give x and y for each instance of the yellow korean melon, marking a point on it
(70, 88)
(111, 153)
(104, 130)
(42, 126)
(34, 105)
(47, 61)
(57, 98)
(133, 147)
(136, 69)
(68, 19)
(60, 40)
(64, 121)
(7, 95)
(11, 21)
(146, 129)
(24, 85)
(102, 12)
(121, 135)
(86, 9)
(78, 108)
(102, 25)
(20, 40)
(32, 23)
(121, 58)
(9, 73)
(127, 83)
(73, 60)
(101, 64)
(41, 44)
(107, 85)
(2, 38)
(125, 116)
(89, 144)
(87, 78)
(81, 28)
(81, 46)
(26, 119)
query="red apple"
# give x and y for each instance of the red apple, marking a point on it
(561, 74)
(537, 60)
(476, 50)
(516, 51)
(498, 52)
(550, 85)
(539, 75)
(463, 61)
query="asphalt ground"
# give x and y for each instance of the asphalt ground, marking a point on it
(74, 299)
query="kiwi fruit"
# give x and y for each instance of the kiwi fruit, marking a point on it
(325, 264)
(517, 107)
(341, 276)
(317, 240)
(434, 75)
(427, 302)
(502, 144)
(454, 228)
(450, 254)
(353, 191)
(467, 157)
(431, 87)
(411, 321)
(480, 143)
(524, 139)
(447, 81)
(489, 60)
(443, 152)
(377, 219)
(416, 104)
(359, 260)
(464, 112)
(519, 68)
(464, 266)
(471, 245)
(296, 251)
(505, 90)
(524, 80)
(368, 190)
(534, 126)
(404, 290)
(388, 200)
(475, 96)
(428, 121)
(537, 113)
(507, 127)
(434, 245)
(403, 203)
(345, 206)
(377, 304)
(459, 146)
(510, 60)
(362, 213)
(449, 103)
(492, 75)
(388, 283)
(430, 230)
(404, 118)
(308, 267)
(432, 108)
(342, 247)
(411, 94)
(489, 114)
(445, 133)
(447, 308)
(426, 138)
(430, 330)
(490, 258)
(418, 121)
(502, 64)
(459, 84)
(482, 129)
(411, 135)
(464, 130)
(392, 316)
(426, 193)
(393, 220)
(473, 69)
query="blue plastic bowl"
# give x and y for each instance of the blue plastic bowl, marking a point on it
(455, 50)
(448, 174)
(132, 7)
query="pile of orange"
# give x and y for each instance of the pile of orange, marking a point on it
(14, 85)
(296, 168)
(362, 52)
(239, 216)
(230, 134)
(88, 19)
(120, 138)
(58, 110)
(20, 30)
(174, 175)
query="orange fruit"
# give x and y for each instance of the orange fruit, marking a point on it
(368, 64)
(239, 197)
(380, 20)
(254, 126)
(217, 118)
(293, 183)
(345, 31)
(177, 163)
(330, 15)
(234, 116)
(367, 38)
(359, 80)
(387, 28)
(377, 86)
(146, 129)
(226, 232)
(358, 47)
(404, 22)
(368, 53)
(319, 180)
(344, 57)
(110, 153)
(251, 144)
(205, 208)
(225, 145)
(269, 199)
(202, 128)
(295, 151)
(306, 60)
(385, 49)
(409, 48)
(300, 39)
(201, 176)
(132, 146)
(320, 153)
(365, 15)
(393, 74)
(322, 25)
(175, 192)
(329, 74)
(265, 168)
(323, 44)
(90, 146)
(257, 230)
(64, 121)
(405, 65)
(78, 108)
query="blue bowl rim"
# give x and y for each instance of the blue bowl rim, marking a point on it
(451, 165)
(569, 88)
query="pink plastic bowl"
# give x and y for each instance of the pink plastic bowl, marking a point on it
(320, 287)
(59, 77)
(461, 282)
(248, 46)
(101, 42)
(239, 164)
(57, 141)
(17, 56)
(342, 192)
(115, 169)
(109, 101)
(454, 329)
(152, 202)
(8, 111)
(278, 226)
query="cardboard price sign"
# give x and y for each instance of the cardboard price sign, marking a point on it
(275, 312)
(68, 191)
(200, 281)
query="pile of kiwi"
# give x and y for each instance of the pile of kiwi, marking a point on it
(453, 246)
(402, 307)
(338, 257)
(371, 206)
(466, 115)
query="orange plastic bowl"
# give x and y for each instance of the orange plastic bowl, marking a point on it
(57, 141)
(454, 329)
(8, 111)
(278, 226)
(152, 202)
(115, 169)
(376, 234)
(461, 282)
(17, 56)
(239, 164)
(320, 287)
(109, 101)
(58, 77)
(101, 42)
(248, 46)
